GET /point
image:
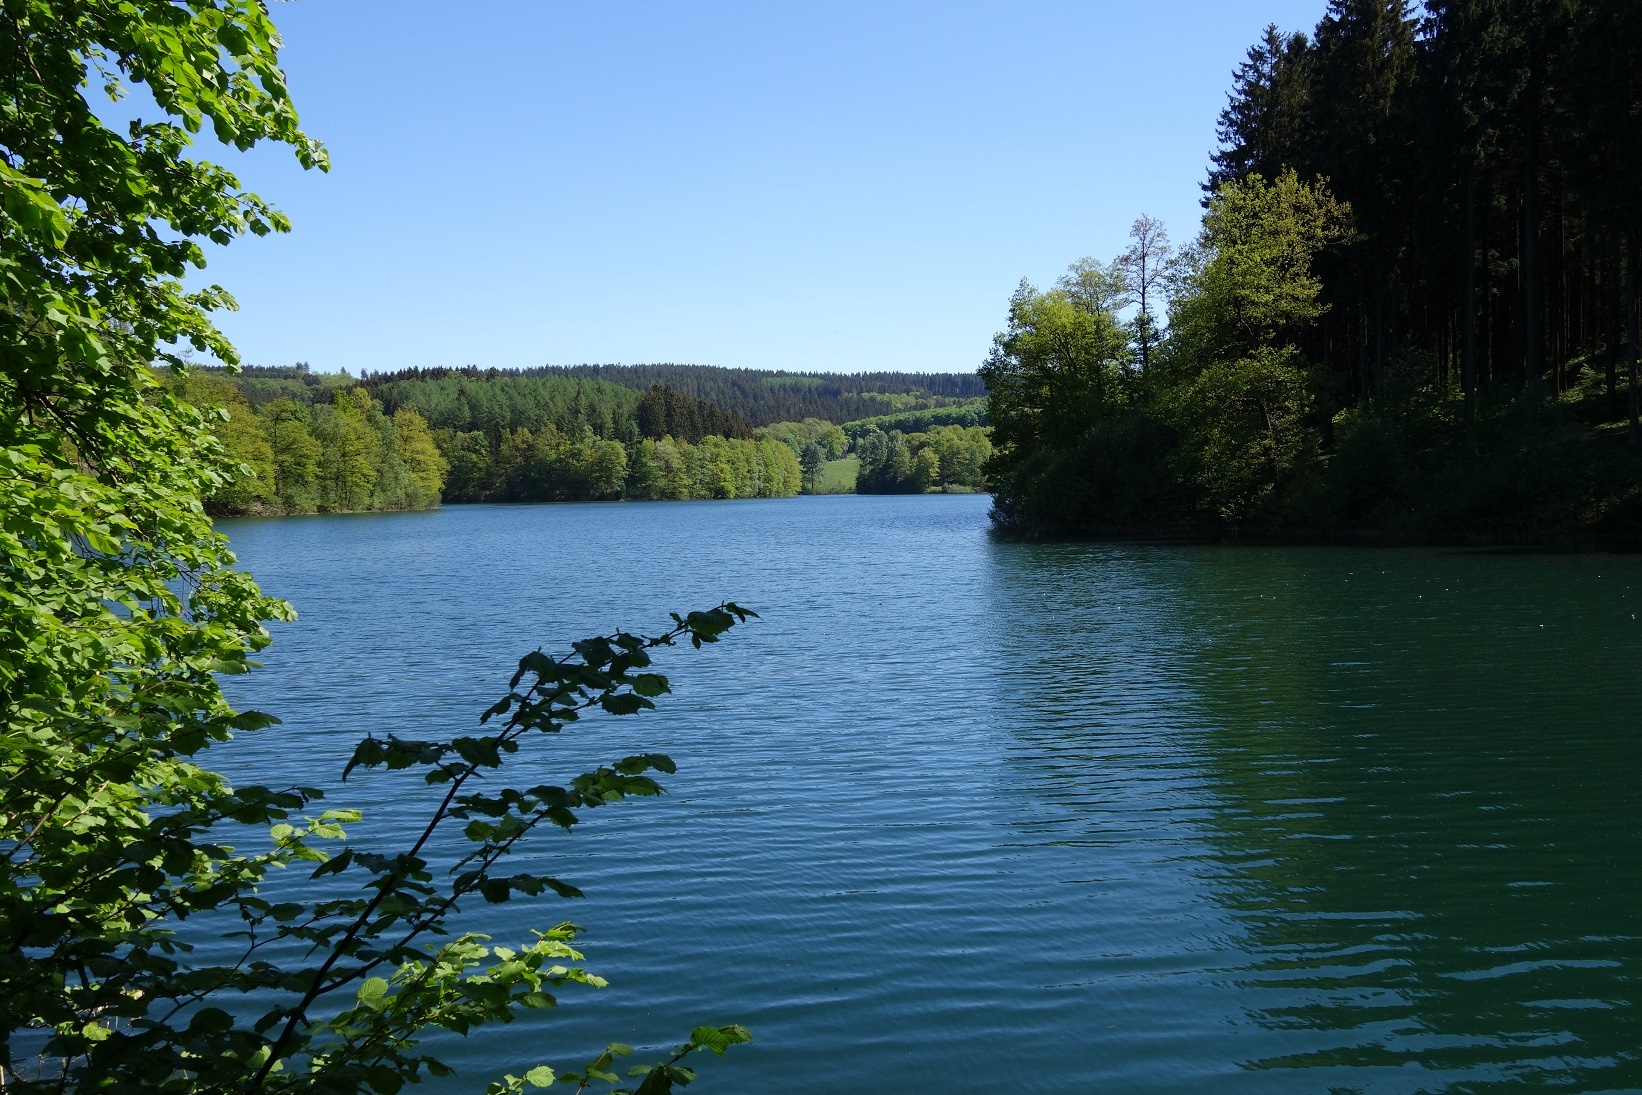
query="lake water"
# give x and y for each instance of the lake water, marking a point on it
(962, 815)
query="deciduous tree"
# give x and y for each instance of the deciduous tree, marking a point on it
(120, 605)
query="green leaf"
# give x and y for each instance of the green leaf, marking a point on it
(719, 1039)
(372, 992)
(478, 751)
(624, 703)
(26, 201)
(335, 865)
(658, 1081)
(650, 684)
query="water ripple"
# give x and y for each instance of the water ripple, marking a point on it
(964, 815)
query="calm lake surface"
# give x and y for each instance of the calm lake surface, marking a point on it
(965, 815)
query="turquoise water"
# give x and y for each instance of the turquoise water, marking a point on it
(965, 815)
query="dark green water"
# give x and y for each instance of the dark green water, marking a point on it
(972, 816)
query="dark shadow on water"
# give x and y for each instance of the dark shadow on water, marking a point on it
(1407, 783)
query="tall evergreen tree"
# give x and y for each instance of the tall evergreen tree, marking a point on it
(1259, 130)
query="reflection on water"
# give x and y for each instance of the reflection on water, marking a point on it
(1428, 768)
(972, 815)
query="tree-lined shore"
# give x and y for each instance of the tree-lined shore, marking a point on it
(1410, 312)
(1412, 309)
(324, 443)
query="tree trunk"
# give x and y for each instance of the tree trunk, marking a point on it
(1379, 335)
(1362, 347)
(1468, 363)
(1630, 325)
(1610, 286)
(1145, 328)
(1533, 336)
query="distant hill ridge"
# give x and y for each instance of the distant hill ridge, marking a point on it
(759, 396)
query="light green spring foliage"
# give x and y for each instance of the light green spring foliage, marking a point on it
(550, 466)
(1060, 364)
(1253, 285)
(291, 457)
(119, 605)
(968, 412)
(814, 443)
(1223, 420)
(1238, 389)
(828, 437)
(714, 467)
(949, 459)
(117, 601)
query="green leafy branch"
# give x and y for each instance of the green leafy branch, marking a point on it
(120, 607)
(361, 935)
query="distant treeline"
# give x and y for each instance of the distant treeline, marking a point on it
(549, 466)
(307, 457)
(947, 459)
(760, 397)
(306, 442)
(969, 413)
(543, 435)
(504, 403)
(260, 384)
(667, 412)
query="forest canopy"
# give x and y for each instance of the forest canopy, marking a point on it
(1411, 308)
(761, 397)
(304, 442)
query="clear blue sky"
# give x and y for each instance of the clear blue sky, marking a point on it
(833, 186)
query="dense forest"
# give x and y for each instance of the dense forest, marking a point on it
(313, 444)
(759, 396)
(545, 436)
(1411, 308)
(969, 412)
(948, 459)
(304, 456)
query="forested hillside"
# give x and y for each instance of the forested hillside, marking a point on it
(308, 443)
(1411, 308)
(947, 459)
(1490, 155)
(506, 402)
(339, 453)
(763, 397)
(548, 435)
(971, 412)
